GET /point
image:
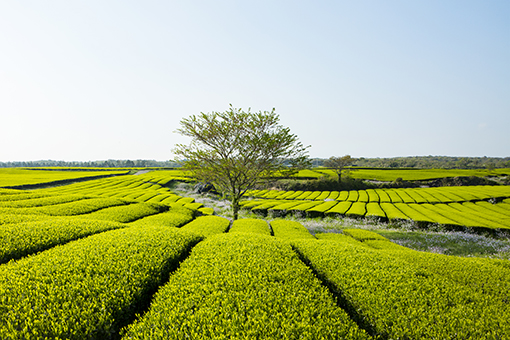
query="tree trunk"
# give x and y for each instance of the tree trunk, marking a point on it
(339, 176)
(235, 207)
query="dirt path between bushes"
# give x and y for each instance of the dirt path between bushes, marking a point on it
(141, 172)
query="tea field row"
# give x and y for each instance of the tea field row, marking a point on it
(400, 195)
(151, 187)
(390, 175)
(406, 174)
(253, 280)
(474, 207)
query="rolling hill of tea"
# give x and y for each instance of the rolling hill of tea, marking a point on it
(124, 257)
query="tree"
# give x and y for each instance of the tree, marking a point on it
(234, 149)
(490, 166)
(338, 164)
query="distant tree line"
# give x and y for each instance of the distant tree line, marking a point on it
(428, 162)
(110, 163)
(423, 162)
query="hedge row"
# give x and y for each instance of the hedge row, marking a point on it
(90, 288)
(401, 195)
(207, 225)
(127, 213)
(243, 286)
(132, 188)
(21, 239)
(39, 202)
(250, 225)
(290, 230)
(80, 207)
(14, 217)
(396, 295)
(480, 214)
(175, 217)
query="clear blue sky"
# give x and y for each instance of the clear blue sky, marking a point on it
(94, 80)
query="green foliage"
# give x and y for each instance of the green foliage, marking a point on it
(431, 215)
(339, 209)
(357, 209)
(185, 200)
(413, 295)
(435, 162)
(290, 230)
(251, 203)
(12, 177)
(127, 213)
(263, 208)
(20, 239)
(19, 195)
(138, 188)
(414, 214)
(243, 286)
(319, 210)
(450, 243)
(206, 211)
(322, 195)
(250, 225)
(282, 208)
(175, 217)
(171, 199)
(446, 206)
(43, 201)
(271, 194)
(192, 206)
(375, 210)
(363, 235)
(324, 183)
(207, 225)
(295, 194)
(92, 165)
(337, 164)
(90, 288)
(6, 192)
(300, 209)
(158, 198)
(337, 237)
(415, 174)
(80, 207)
(14, 217)
(393, 213)
(304, 195)
(314, 195)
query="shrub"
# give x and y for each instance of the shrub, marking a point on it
(207, 225)
(290, 230)
(18, 240)
(250, 225)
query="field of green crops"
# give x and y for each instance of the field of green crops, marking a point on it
(415, 174)
(390, 175)
(468, 206)
(13, 177)
(124, 257)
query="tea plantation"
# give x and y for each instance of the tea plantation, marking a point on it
(124, 257)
